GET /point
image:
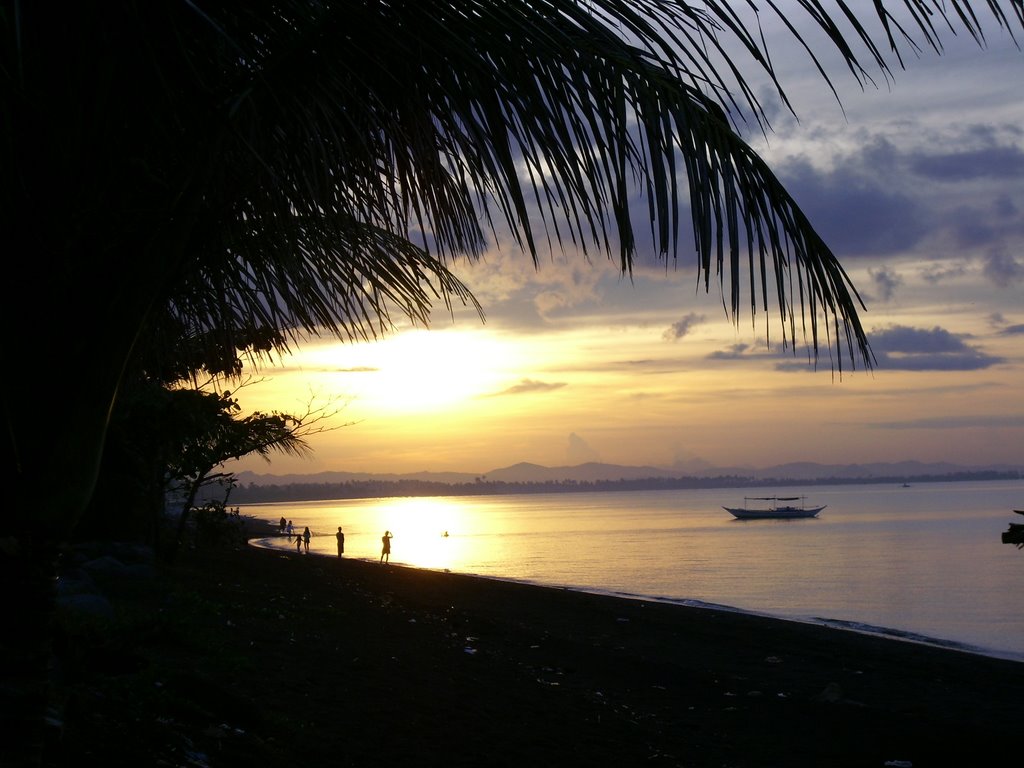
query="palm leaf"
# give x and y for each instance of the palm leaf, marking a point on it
(540, 120)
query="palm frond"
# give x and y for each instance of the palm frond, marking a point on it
(315, 164)
(543, 119)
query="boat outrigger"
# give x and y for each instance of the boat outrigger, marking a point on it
(1015, 533)
(779, 508)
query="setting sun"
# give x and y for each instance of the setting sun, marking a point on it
(415, 372)
(427, 370)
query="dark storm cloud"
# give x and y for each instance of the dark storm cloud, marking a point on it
(527, 386)
(916, 349)
(1013, 330)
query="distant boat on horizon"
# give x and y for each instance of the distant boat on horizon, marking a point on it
(779, 508)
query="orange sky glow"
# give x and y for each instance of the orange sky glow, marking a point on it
(919, 189)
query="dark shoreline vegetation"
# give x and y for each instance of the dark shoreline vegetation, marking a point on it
(237, 655)
(253, 493)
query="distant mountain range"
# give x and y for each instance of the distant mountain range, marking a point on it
(597, 472)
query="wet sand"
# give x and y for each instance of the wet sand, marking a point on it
(277, 658)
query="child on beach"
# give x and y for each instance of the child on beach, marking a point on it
(290, 530)
(305, 538)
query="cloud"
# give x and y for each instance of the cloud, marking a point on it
(900, 347)
(528, 386)
(886, 280)
(781, 357)
(954, 422)
(530, 298)
(1005, 207)
(904, 339)
(682, 327)
(306, 369)
(579, 452)
(1001, 162)
(874, 195)
(1004, 327)
(735, 352)
(1001, 268)
(937, 274)
(854, 206)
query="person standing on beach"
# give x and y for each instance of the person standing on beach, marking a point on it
(385, 550)
(290, 530)
(341, 541)
(305, 538)
(298, 544)
(281, 526)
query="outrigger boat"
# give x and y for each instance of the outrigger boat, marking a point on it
(1015, 533)
(780, 508)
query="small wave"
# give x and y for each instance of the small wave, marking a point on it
(849, 626)
(913, 637)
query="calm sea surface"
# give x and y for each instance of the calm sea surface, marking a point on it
(922, 563)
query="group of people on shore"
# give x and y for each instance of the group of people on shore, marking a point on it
(302, 540)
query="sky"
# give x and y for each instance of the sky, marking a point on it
(916, 184)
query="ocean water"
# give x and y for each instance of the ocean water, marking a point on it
(923, 563)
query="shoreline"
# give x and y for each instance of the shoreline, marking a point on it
(841, 625)
(239, 654)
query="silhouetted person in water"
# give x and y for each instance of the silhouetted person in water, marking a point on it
(341, 541)
(305, 538)
(385, 550)
(290, 530)
(282, 525)
(298, 544)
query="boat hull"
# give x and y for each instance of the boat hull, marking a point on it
(778, 513)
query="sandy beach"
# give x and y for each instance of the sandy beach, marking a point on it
(242, 656)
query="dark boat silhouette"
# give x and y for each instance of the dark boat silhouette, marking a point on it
(779, 508)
